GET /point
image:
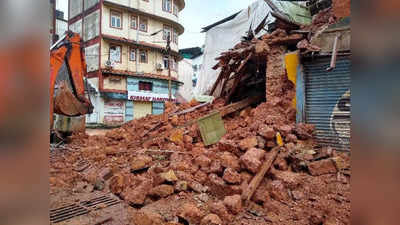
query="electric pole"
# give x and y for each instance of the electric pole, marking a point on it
(169, 67)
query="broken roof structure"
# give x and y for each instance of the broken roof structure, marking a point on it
(261, 17)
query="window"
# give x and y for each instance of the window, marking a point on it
(145, 86)
(143, 56)
(143, 24)
(167, 32)
(166, 62)
(115, 54)
(116, 19)
(167, 5)
(134, 22)
(175, 10)
(132, 54)
(175, 37)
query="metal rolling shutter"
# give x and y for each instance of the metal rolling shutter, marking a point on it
(142, 109)
(328, 101)
(129, 111)
(158, 108)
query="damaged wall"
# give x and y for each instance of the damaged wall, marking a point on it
(341, 8)
(327, 38)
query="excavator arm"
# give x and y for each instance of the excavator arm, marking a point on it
(67, 72)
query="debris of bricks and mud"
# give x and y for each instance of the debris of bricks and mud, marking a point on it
(162, 171)
(184, 182)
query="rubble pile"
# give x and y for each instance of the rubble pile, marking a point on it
(160, 166)
(303, 186)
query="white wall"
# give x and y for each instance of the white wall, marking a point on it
(152, 7)
(185, 76)
(132, 34)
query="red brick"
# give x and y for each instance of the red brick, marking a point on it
(203, 161)
(216, 180)
(278, 191)
(252, 159)
(231, 176)
(211, 219)
(220, 209)
(267, 132)
(138, 195)
(141, 162)
(162, 191)
(233, 203)
(228, 160)
(191, 213)
(248, 143)
(322, 167)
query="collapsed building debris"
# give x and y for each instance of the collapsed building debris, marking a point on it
(210, 182)
(265, 170)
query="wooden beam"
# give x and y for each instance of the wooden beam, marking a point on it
(237, 81)
(190, 109)
(221, 74)
(224, 111)
(225, 81)
(239, 105)
(255, 182)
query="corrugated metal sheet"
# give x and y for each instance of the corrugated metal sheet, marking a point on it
(129, 111)
(158, 108)
(328, 101)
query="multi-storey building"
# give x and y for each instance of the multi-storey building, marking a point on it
(125, 45)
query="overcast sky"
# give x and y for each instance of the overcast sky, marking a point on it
(197, 14)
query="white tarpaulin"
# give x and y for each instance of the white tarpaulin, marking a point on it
(226, 35)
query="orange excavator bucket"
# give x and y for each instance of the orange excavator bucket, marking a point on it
(66, 103)
(67, 73)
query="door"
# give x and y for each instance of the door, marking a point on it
(328, 101)
(142, 109)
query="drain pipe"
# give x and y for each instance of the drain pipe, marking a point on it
(137, 38)
(334, 54)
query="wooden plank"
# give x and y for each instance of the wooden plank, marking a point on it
(255, 182)
(191, 109)
(239, 105)
(221, 74)
(225, 81)
(216, 66)
(223, 111)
